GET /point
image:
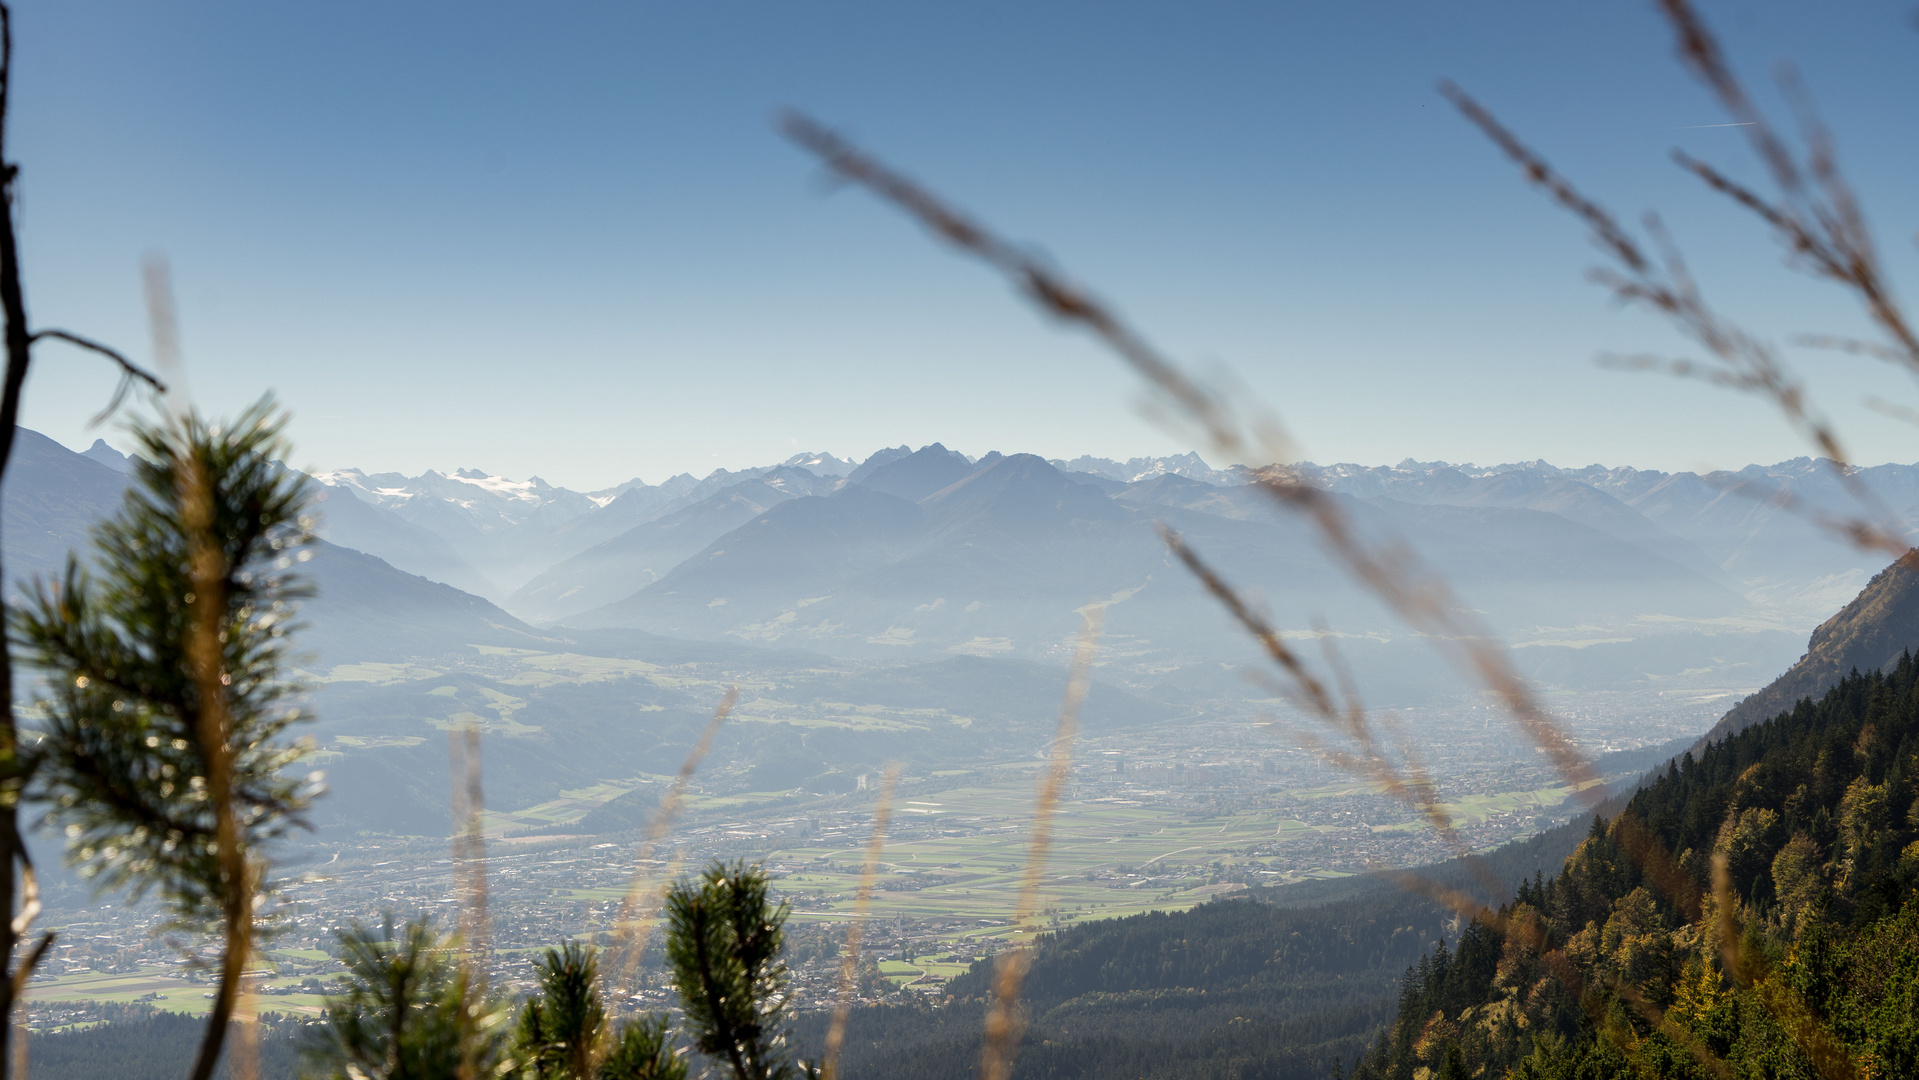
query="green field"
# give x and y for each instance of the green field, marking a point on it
(176, 993)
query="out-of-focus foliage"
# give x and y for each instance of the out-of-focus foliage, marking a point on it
(406, 1011)
(564, 1032)
(121, 758)
(723, 938)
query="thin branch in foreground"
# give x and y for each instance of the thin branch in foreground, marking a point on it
(850, 955)
(469, 850)
(642, 901)
(1820, 223)
(1409, 783)
(1391, 571)
(206, 635)
(130, 372)
(1003, 1022)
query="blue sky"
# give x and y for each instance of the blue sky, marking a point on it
(562, 239)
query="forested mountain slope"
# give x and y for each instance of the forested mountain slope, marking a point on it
(1228, 989)
(1868, 634)
(1277, 983)
(1750, 913)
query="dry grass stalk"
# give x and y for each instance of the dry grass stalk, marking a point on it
(468, 804)
(862, 900)
(642, 902)
(1391, 570)
(469, 850)
(1750, 969)
(1816, 217)
(1003, 1021)
(1820, 224)
(207, 572)
(1342, 712)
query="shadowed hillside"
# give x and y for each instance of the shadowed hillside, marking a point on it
(1869, 634)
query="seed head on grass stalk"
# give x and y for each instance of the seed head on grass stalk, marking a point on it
(1392, 571)
(862, 900)
(1003, 1022)
(1815, 216)
(1341, 712)
(641, 905)
(468, 803)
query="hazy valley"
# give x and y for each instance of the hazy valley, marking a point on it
(918, 607)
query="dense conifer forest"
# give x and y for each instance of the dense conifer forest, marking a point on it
(1750, 913)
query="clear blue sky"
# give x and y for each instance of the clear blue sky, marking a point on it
(561, 238)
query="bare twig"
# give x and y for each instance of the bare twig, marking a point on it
(1003, 1023)
(862, 900)
(129, 371)
(19, 348)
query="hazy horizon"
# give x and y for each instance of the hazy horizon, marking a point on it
(654, 476)
(598, 252)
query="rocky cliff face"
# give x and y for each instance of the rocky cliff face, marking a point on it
(1868, 634)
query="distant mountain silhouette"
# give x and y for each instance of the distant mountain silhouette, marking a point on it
(52, 496)
(108, 456)
(365, 608)
(362, 526)
(879, 460)
(918, 474)
(1001, 560)
(648, 552)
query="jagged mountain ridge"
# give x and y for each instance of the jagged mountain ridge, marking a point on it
(645, 553)
(1869, 634)
(515, 531)
(366, 608)
(1777, 555)
(1001, 561)
(549, 554)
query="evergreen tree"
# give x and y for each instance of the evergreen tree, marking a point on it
(408, 1012)
(163, 749)
(723, 942)
(564, 1032)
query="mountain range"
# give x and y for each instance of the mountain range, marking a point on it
(1600, 577)
(821, 572)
